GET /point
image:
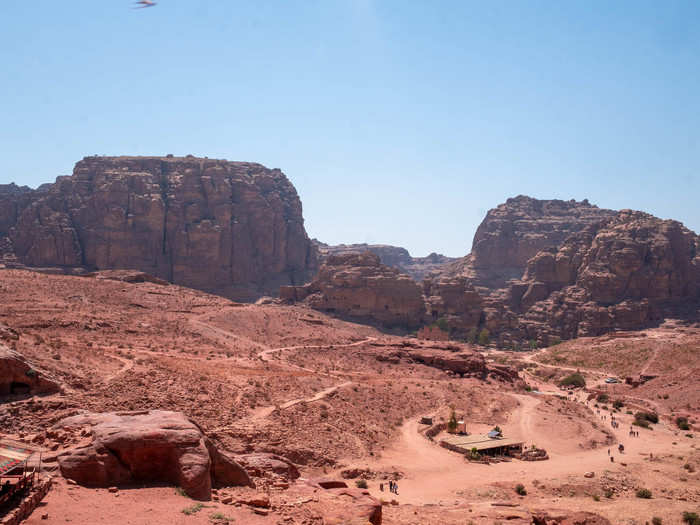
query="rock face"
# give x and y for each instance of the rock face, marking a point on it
(17, 377)
(231, 228)
(359, 286)
(623, 273)
(416, 267)
(514, 232)
(154, 445)
(540, 270)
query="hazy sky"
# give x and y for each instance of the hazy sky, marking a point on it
(398, 121)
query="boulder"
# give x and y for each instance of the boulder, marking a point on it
(155, 445)
(260, 463)
(19, 377)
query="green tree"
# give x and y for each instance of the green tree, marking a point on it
(452, 422)
(472, 336)
(484, 336)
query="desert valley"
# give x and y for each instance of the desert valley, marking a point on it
(174, 348)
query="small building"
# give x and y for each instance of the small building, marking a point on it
(485, 445)
(461, 428)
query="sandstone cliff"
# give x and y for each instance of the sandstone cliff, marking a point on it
(357, 285)
(231, 228)
(516, 231)
(416, 267)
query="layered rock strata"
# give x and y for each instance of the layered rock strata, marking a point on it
(231, 228)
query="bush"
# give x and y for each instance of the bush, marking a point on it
(644, 493)
(472, 336)
(618, 404)
(361, 484)
(452, 422)
(532, 344)
(603, 398)
(596, 497)
(575, 379)
(682, 423)
(442, 324)
(645, 417)
(520, 489)
(484, 337)
(188, 511)
(691, 518)
(656, 521)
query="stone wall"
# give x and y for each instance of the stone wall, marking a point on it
(27, 505)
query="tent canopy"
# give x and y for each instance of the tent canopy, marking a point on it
(13, 454)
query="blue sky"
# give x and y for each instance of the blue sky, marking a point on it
(399, 122)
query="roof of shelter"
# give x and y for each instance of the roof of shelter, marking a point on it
(479, 442)
(13, 454)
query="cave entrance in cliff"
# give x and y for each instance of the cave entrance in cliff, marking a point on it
(17, 388)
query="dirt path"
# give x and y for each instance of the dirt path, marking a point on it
(434, 474)
(266, 411)
(128, 365)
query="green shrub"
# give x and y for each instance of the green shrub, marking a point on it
(361, 484)
(645, 417)
(596, 497)
(682, 423)
(31, 373)
(656, 521)
(472, 336)
(691, 518)
(484, 337)
(188, 511)
(442, 324)
(520, 489)
(452, 422)
(575, 379)
(644, 493)
(532, 344)
(603, 398)
(618, 404)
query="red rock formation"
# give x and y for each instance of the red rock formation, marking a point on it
(232, 228)
(17, 376)
(623, 273)
(152, 445)
(517, 230)
(416, 267)
(359, 286)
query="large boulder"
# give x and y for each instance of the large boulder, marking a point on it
(18, 377)
(231, 228)
(153, 445)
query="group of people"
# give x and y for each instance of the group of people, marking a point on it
(393, 487)
(634, 433)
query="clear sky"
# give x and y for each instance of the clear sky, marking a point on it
(398, 121)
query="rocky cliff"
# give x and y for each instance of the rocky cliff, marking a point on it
(416, 267)
(357, 285)
(516, 231)
(540, 270)
(231, 228)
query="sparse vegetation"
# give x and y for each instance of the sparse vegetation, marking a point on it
(361, 484)
(575, 380)
(220, 516)
(192, 509)
(643, 419)
(682, 423)
(452, 422)
(644, 493)
(484, 337)
(520, 489)
(603, 398)
(618, 404)
(532, 344)
(691, 518)
(656, 521)
(442, 324)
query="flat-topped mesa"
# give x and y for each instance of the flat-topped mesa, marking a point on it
(231, 228)
(516, 231)
(357, 285)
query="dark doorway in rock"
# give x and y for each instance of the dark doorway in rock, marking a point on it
(17, 388)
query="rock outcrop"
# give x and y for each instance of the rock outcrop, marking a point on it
(232, 228)
(18, 377)
(155, 446)
(515, 231)
(357, 285)
(416, 267)
(625, 272)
